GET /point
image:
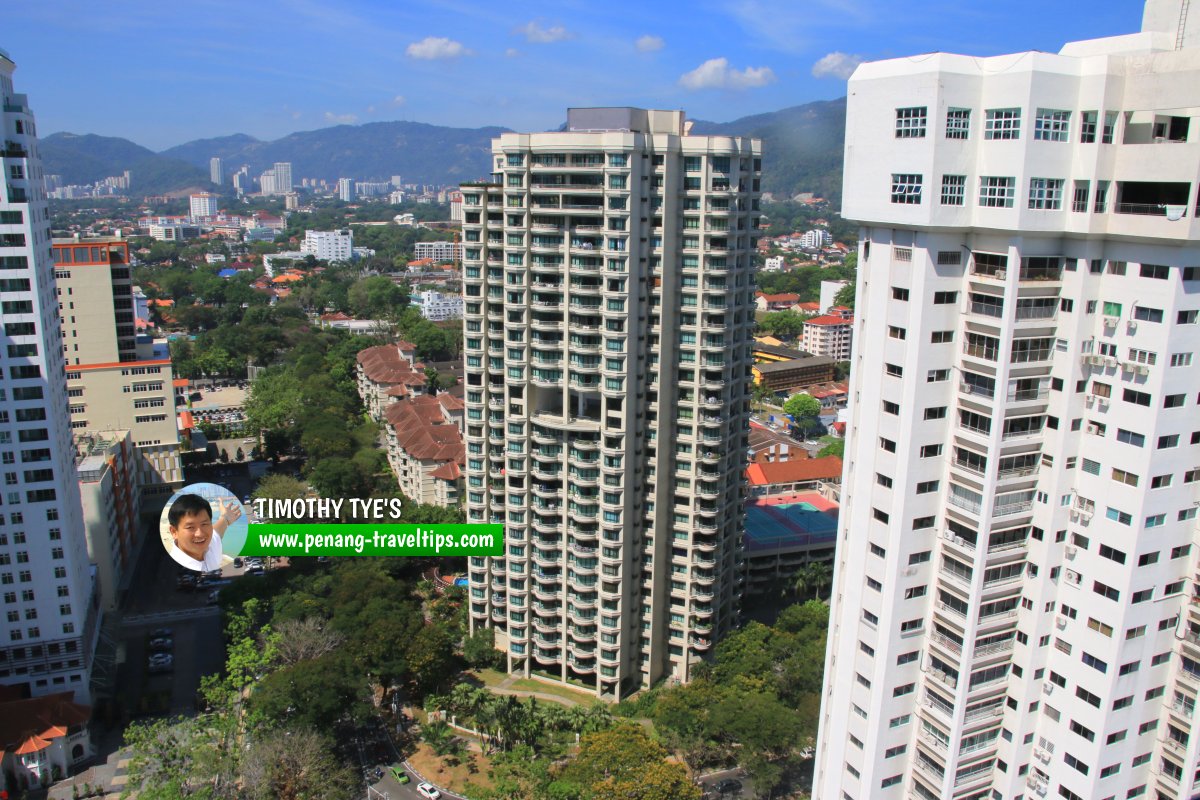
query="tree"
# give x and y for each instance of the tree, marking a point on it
(479, 649)
(804, 409)
(787, 324)
(296, 765)
(281, 487)
(376, 297)
(835, 446)
(612, 764)
(172, 758)
(305, 639)
(316, 693)
(845, 296)
(240, 455)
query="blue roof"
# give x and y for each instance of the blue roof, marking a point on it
(228, 272)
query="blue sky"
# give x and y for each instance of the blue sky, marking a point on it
(162, 73)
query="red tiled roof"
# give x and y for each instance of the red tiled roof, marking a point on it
(423, 433)
(809, 306)
(829, 319)
(336, 316)
(27, 726)
(447, 472)
(809, 469)
(384, 364)
(450, 402)
(786, 297)
(177, 382)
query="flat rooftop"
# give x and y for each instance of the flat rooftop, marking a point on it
(789, 522)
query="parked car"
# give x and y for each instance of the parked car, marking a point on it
(237, 563)
(729, 786)
(428, 790)
(214, 597)
(398, 773)
(158, 633)
(162, 644)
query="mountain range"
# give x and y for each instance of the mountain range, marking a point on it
(802, 151)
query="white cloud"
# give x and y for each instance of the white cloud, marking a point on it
(512, 52)
(399, 100)
(534, 32)
(370, 109)
(836, 65)
(341, 119)
(648, 43)
(436, 47)
(716, 74)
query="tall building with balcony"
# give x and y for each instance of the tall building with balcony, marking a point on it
(216, 170)
(608, 311)
(117, 379)
(1015, 607)
(49, 628)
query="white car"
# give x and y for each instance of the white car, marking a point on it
(428, 790)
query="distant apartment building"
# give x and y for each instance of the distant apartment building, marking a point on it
(438, 251)
(283, 177)
(329, 245)
(216, 171)
(386, 374)
(108, 487)
(437, 307)
(372, 188)
(49, 631)
(176, 232)
(815, 239)
(345, 189)
(204, 205)
(425, 448)
(773, 264)
(113, 381)
(829, 335)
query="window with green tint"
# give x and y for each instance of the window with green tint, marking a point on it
(1112, 309)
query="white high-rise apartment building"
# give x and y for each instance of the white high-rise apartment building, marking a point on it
(283, 177)
(216, 171)
(609, 307)
(1015, 610)
(203, 205)
(329, 245)
(438, 251)
(50, 623)
(345, 190)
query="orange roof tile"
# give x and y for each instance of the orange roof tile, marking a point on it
(809, 469)
(27, 726)
(830, 319)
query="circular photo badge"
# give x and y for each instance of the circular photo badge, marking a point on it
(203, 526)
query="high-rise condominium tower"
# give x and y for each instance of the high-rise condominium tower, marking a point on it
(609, 307)
(48, 632)
(1014, 612)
(216, 170)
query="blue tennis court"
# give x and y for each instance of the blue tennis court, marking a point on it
(783, 524)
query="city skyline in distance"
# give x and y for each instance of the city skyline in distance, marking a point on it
(212, 72)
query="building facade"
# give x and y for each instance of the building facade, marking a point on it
(438, 251)
(203, 205)
(829, 335)
(216, 171)
(113, 382)
(108, 488)
(439, 307)
(608, 292)
(329, 245)
(345, 190)
(1014, 609)
(49, 630)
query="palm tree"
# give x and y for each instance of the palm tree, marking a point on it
(438, 736)
(823, 573)
(814, 576)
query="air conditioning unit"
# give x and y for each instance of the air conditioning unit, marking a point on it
(1048, 688)
(1102, 402)
(1095, 359)
(1142, 369)
(1089, 399)
(1072, 550)
(1109, 361)
(1001, 274)
(965, 388)
(1131, 326)
(1060, 623)
(1128, 366)
(1074, 514)
(1110, 321)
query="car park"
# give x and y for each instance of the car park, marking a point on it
(428, 790)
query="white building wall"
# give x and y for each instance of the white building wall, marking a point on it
(1092, 686)
(48, 633)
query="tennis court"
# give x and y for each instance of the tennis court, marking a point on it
(789, 521)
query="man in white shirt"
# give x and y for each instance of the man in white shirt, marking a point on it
(192, 527)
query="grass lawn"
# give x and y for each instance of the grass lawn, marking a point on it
(455, 777)
(493, 678)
